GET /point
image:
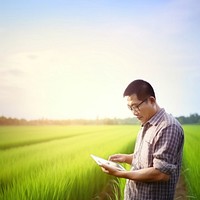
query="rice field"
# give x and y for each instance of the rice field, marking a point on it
(191, 161)
(53, 162)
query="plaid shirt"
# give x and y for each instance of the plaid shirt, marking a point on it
(159, 144)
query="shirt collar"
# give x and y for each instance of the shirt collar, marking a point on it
(156, 118)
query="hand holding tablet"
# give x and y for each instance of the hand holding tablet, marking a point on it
(100, 161)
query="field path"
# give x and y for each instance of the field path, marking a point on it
(181, 192)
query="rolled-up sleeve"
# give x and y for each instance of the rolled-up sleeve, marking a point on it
(167, 149)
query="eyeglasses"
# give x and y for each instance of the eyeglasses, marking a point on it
(137, 107)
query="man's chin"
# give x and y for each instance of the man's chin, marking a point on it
(140, 119)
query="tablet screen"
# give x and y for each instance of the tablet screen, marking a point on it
(100, 161)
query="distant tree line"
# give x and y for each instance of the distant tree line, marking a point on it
(192, 119)
(105, 121)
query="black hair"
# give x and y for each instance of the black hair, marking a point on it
(141, 88)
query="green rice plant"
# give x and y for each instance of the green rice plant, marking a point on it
(191, 162)
(15, 136)
(58, 165)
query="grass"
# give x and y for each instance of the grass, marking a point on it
(53, 162)
(58, 165)
(190, 160)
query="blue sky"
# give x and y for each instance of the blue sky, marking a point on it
(73, 59)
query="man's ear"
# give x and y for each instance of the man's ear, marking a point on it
(152, 99)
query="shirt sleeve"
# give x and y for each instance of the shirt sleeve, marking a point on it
(168, 147)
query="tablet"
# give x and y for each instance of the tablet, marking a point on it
(100, 161)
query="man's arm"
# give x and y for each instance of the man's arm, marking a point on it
(143, 175)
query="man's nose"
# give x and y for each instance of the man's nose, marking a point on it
(135, 112)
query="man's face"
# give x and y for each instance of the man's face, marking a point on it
(142, 109)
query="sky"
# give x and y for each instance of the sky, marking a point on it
(67, 59)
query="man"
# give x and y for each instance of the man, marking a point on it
(156, 161)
